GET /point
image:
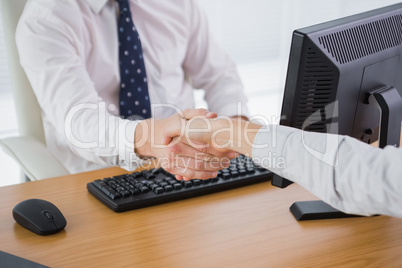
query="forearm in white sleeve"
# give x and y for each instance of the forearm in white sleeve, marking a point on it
(49, 53)
(351, 176)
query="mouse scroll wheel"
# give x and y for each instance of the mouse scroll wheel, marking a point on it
(48, 215)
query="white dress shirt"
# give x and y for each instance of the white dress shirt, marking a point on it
(69, 50)
(350, 175)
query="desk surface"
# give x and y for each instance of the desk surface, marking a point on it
(246, 227)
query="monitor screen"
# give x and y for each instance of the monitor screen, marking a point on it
(335, 69)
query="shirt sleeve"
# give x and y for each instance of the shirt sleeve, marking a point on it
(209, 68)
(350, 175)
(50, 55)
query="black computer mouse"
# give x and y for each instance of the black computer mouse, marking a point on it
(39, 216)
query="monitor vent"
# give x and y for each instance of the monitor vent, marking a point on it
(316, 92)
(360, 41)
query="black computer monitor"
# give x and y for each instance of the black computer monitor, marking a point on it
(345, 77)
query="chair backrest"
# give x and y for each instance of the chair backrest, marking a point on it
(28, 110)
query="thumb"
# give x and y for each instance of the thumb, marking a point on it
(172, 130)
(192, 113)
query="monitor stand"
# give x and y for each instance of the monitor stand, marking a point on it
(389, 102)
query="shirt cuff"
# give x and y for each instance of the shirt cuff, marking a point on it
(128, 159)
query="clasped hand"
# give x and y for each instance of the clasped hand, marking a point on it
(166, 141)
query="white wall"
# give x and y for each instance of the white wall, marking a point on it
(257, 35)
(4, 75)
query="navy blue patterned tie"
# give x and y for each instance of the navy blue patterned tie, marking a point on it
(134, 97)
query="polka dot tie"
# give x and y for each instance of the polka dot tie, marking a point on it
(134, 97)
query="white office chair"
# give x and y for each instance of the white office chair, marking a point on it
(29, 149)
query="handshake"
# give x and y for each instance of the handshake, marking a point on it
(194, 143)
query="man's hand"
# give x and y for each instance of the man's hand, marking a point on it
(176, 156)
(222, 134)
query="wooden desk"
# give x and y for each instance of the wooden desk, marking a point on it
(247, 227)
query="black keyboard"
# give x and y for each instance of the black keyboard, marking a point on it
(157, 186)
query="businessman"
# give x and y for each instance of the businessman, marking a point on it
(109, 74)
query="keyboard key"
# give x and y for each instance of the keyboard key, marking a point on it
(242, 171)
(144, 189)
(171, 182)
(114, 195)
(226, 176)
(139, 185)
(153, 186)
(197, 182)
(120, 177)
(148, 176)
(159, 181)
(107, 190)
(99, 183)
(162, 184)
(177, 186)
(234, 173)
(206, 181)
(135, 191)
(125, 193)
(169, 175)
(158, 190)
(136, 175)
(107, 180)
(155, 171)
(186, 184)
(168, 188)
(250, 171)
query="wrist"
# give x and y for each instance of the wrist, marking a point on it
(249, 131)
(224, 133)
(238, 136)
(142, 140)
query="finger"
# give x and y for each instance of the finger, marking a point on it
(171, 131)
(221, 152)
(179, 177)
(168, 138)
(190, 118)
(187, 173)
(232, 154)
(184, 150)
(211, 115)
(199, 164)
(191, 113)
(176, 129)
